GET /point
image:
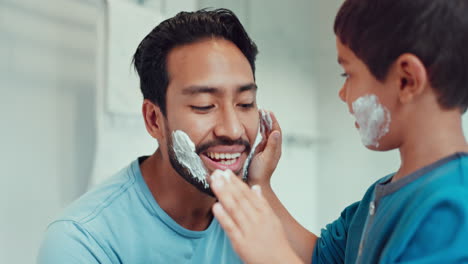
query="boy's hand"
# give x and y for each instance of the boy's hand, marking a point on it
(254, 229)
(267, 155)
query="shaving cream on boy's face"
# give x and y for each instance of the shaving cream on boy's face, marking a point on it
(188, 160)
(372, 118)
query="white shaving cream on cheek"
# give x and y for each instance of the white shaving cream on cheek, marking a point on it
(373, 119)
(258, 139)
(184, 150)
(265, 116)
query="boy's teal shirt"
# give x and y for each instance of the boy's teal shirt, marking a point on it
(422, 218)
(121, 222)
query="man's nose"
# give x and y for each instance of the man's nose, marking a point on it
(229, 125)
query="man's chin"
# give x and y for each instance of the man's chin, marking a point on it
(204, 190)
(197, 184)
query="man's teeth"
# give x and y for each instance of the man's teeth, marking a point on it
(226, 158)
(227, 162)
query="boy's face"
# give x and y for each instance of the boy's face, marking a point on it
(212, 97)
(371, 102)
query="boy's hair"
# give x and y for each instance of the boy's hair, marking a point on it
(436, 31)
(185, 28)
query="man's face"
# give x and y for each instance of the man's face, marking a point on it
(211, 96)
(371, 102)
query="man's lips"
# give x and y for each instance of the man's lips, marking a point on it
(224, 157)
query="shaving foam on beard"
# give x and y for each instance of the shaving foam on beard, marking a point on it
(184, 150)
(373, 119)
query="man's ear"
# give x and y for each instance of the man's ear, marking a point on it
(154, 119)
(412, 75)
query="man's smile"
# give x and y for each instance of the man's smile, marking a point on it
(224, 157)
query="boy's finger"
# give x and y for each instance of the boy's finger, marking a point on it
(235, 196)
(274, 146)
(249, 200)
(229, 192)
(274, 122)
(226, 222)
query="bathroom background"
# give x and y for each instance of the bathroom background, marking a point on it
(70, 103)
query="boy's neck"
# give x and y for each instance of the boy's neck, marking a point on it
(433, 138)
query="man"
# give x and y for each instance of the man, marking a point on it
(197, 78)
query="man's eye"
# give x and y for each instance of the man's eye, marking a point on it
(345, 75)
(251, 105)
(202, 108)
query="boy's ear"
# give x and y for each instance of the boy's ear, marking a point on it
(413, 78)
(153, 119)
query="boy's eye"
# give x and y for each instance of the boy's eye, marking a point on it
(345, 75)
(202, 108)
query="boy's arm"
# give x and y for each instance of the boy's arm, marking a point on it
(302, 240)
(258, 235)
(255, 231)
(263, 165)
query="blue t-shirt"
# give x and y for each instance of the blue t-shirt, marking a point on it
(120, 222)
(422, 218)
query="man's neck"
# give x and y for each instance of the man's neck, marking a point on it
(432, 139)
(182, 201)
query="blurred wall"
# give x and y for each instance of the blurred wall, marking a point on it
(46, 108)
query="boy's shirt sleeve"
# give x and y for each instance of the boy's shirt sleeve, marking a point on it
(67, 242)
(331, 245)
(441, 236)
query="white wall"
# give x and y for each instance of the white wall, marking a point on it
(46, 108)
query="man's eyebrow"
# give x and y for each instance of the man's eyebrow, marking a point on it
(342, 61)
(192, 90)
(196, 89)
(247, 87)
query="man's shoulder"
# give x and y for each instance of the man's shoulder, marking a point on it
(97, 201)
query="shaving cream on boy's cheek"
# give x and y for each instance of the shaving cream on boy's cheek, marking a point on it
(373, 119)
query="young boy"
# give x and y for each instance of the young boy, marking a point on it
(406, 69)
